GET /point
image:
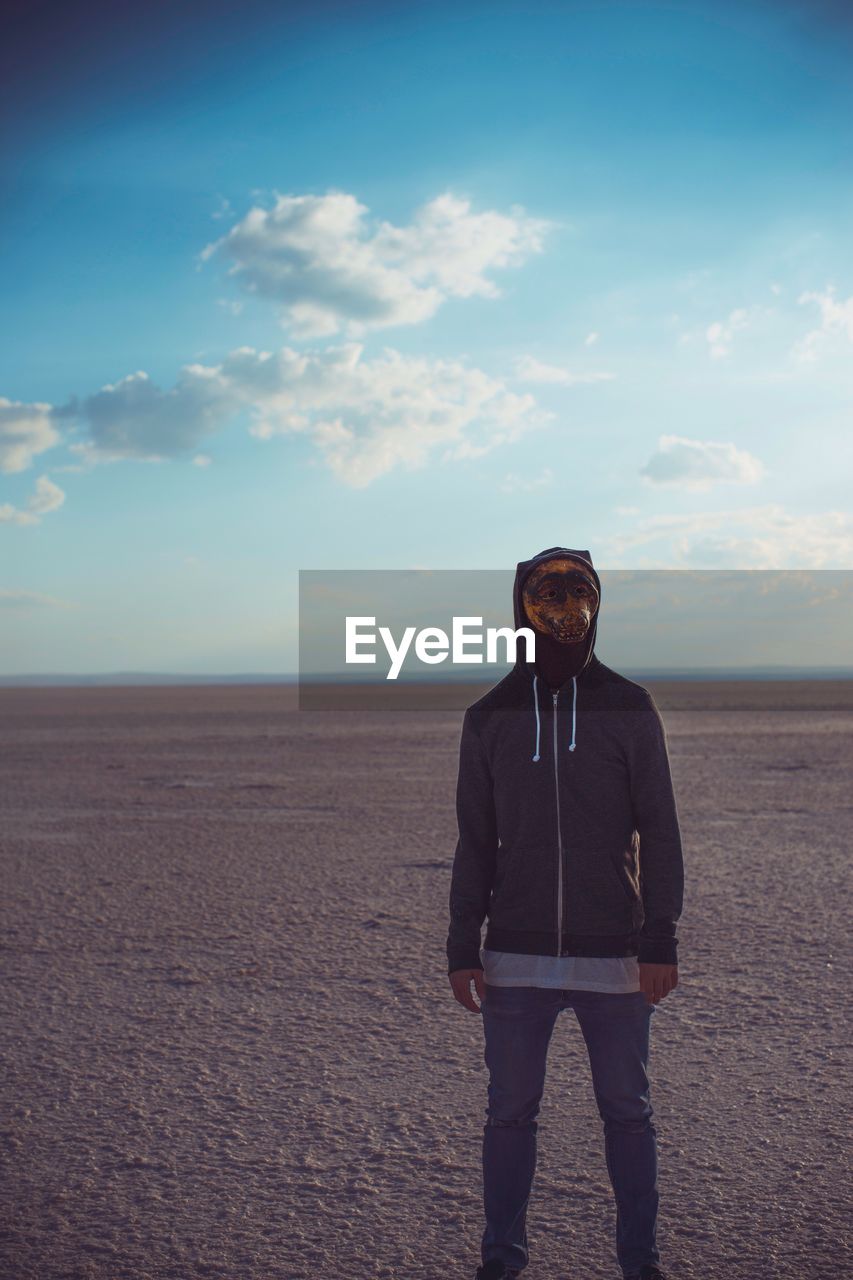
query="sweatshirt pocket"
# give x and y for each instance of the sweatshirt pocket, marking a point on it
(623, 879)
(524, 897)
(506, 870)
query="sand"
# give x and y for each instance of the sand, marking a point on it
(230, 1047)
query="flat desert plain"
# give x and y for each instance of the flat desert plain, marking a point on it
(229, 1044)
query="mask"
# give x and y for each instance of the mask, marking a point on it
(560, 600)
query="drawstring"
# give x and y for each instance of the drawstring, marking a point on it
(572, 744)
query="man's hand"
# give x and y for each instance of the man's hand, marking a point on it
(460, 981)
(657, 980)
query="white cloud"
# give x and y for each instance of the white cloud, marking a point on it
(766, 537)
(691, 280)
(695, 465)
(134, 418)
(529, 369)
(47, 497)
(202, 460)
(513, 483)
(317, 257)
(224, 210)
(836, 318)
(31, 600)
(25, 431)
(721, 333)
(590, 339)
(365, 417)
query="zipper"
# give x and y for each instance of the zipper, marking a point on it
(559, 837)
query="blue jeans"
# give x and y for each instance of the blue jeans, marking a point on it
(518, 1022)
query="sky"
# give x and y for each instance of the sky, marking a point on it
(381, 624)
(410, 286)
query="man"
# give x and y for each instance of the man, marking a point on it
(569, 843)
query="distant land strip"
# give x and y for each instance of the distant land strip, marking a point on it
(24, 699)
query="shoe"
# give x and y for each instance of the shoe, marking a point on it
(651, 1271)
(494, 1269)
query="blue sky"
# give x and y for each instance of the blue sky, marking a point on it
(410, 286)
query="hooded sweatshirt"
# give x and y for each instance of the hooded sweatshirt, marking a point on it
(569, 840)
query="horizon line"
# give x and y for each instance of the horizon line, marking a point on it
(757, 671)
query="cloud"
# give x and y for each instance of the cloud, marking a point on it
(317, 257)
(835, 318)
(134, 418)
(365, 417)
(224, 210)
(691, 280)
(25, 431)
(31, 600)
(721, 333)
(513, 483)
(766, 537)
(529, 369)
(695, 465)
(47, 497)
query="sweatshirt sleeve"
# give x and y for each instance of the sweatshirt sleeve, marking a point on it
(656, 822)
(476, 852)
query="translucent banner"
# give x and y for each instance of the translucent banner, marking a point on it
(439, 638)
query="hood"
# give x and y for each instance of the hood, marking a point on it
(520, 617)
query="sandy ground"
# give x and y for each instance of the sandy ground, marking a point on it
(229, 1044)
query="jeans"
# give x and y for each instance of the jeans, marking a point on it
(518, 1022)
